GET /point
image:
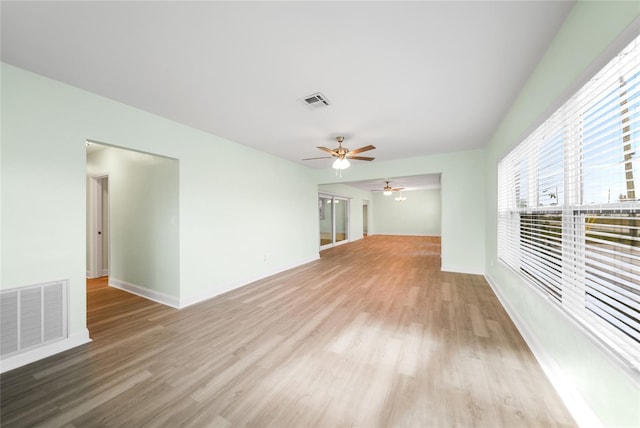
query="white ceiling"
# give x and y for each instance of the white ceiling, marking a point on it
(412, 78)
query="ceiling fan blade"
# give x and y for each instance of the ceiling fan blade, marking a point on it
(365, 158)
(362, 149)
(397, 189)
(332, 152)
(323, 157)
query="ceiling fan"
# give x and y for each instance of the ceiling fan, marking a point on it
(343, 154)
(387, 190)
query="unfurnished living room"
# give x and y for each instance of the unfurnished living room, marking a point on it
(320, 214)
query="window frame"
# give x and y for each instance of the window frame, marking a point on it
(519, 204)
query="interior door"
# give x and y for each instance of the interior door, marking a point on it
(98, 238)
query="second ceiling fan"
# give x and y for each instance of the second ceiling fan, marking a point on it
(387, 189)
(343, 154)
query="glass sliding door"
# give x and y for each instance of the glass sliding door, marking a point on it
(334, 220)
(326, 220)
(340, 216)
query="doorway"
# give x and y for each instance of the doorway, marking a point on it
(98, 247)
(136, 242)
(365, 218)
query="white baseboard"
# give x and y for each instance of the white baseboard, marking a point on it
(579, 409)
(457, 269)
(28, 357)
(147, 293)
(192, 300)
(105, 272)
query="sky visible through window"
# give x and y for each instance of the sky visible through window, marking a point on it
(605, 146)
(551, 172)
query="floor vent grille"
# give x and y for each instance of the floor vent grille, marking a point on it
(32, 316)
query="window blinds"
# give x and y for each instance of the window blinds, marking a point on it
(569, 205)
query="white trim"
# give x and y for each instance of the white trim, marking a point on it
(455, 269)
(105, 272)
(28, 357)
(570, 396)
(192, 300)
(91, 232)
(147, 293)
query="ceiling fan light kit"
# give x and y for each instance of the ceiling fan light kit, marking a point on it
(401, 198)
(341, 163)
(343, 154)
(388, 190)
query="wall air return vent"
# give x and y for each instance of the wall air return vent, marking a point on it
(32, 316)
(315, 101)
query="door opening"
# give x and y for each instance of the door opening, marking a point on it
(365, 219)
(98, 230)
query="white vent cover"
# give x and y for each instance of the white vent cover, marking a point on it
(316, 100)
(32, 316)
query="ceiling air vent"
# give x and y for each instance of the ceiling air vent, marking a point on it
(316, 100)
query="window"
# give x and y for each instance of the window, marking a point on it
(568, 211)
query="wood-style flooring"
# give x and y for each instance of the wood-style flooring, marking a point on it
(371, 335)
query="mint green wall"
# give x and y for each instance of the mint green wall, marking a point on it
(222, 245)
(143, 217)
(588, 31)
(462, 200)
(43, 192)
(418, 215)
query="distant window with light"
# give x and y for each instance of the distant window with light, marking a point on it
(569, 206)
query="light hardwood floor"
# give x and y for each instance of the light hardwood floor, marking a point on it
(371, 335)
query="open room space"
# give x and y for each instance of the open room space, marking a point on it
(320, 213)
(372, 334)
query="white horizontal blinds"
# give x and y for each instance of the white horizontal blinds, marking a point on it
(569, 205)
(550, 174)
(610, 140)
(503, 211)
(611, 180)
(541, 255)
(612, 265)
(541, 222)
(509, 194)
(539, 194)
